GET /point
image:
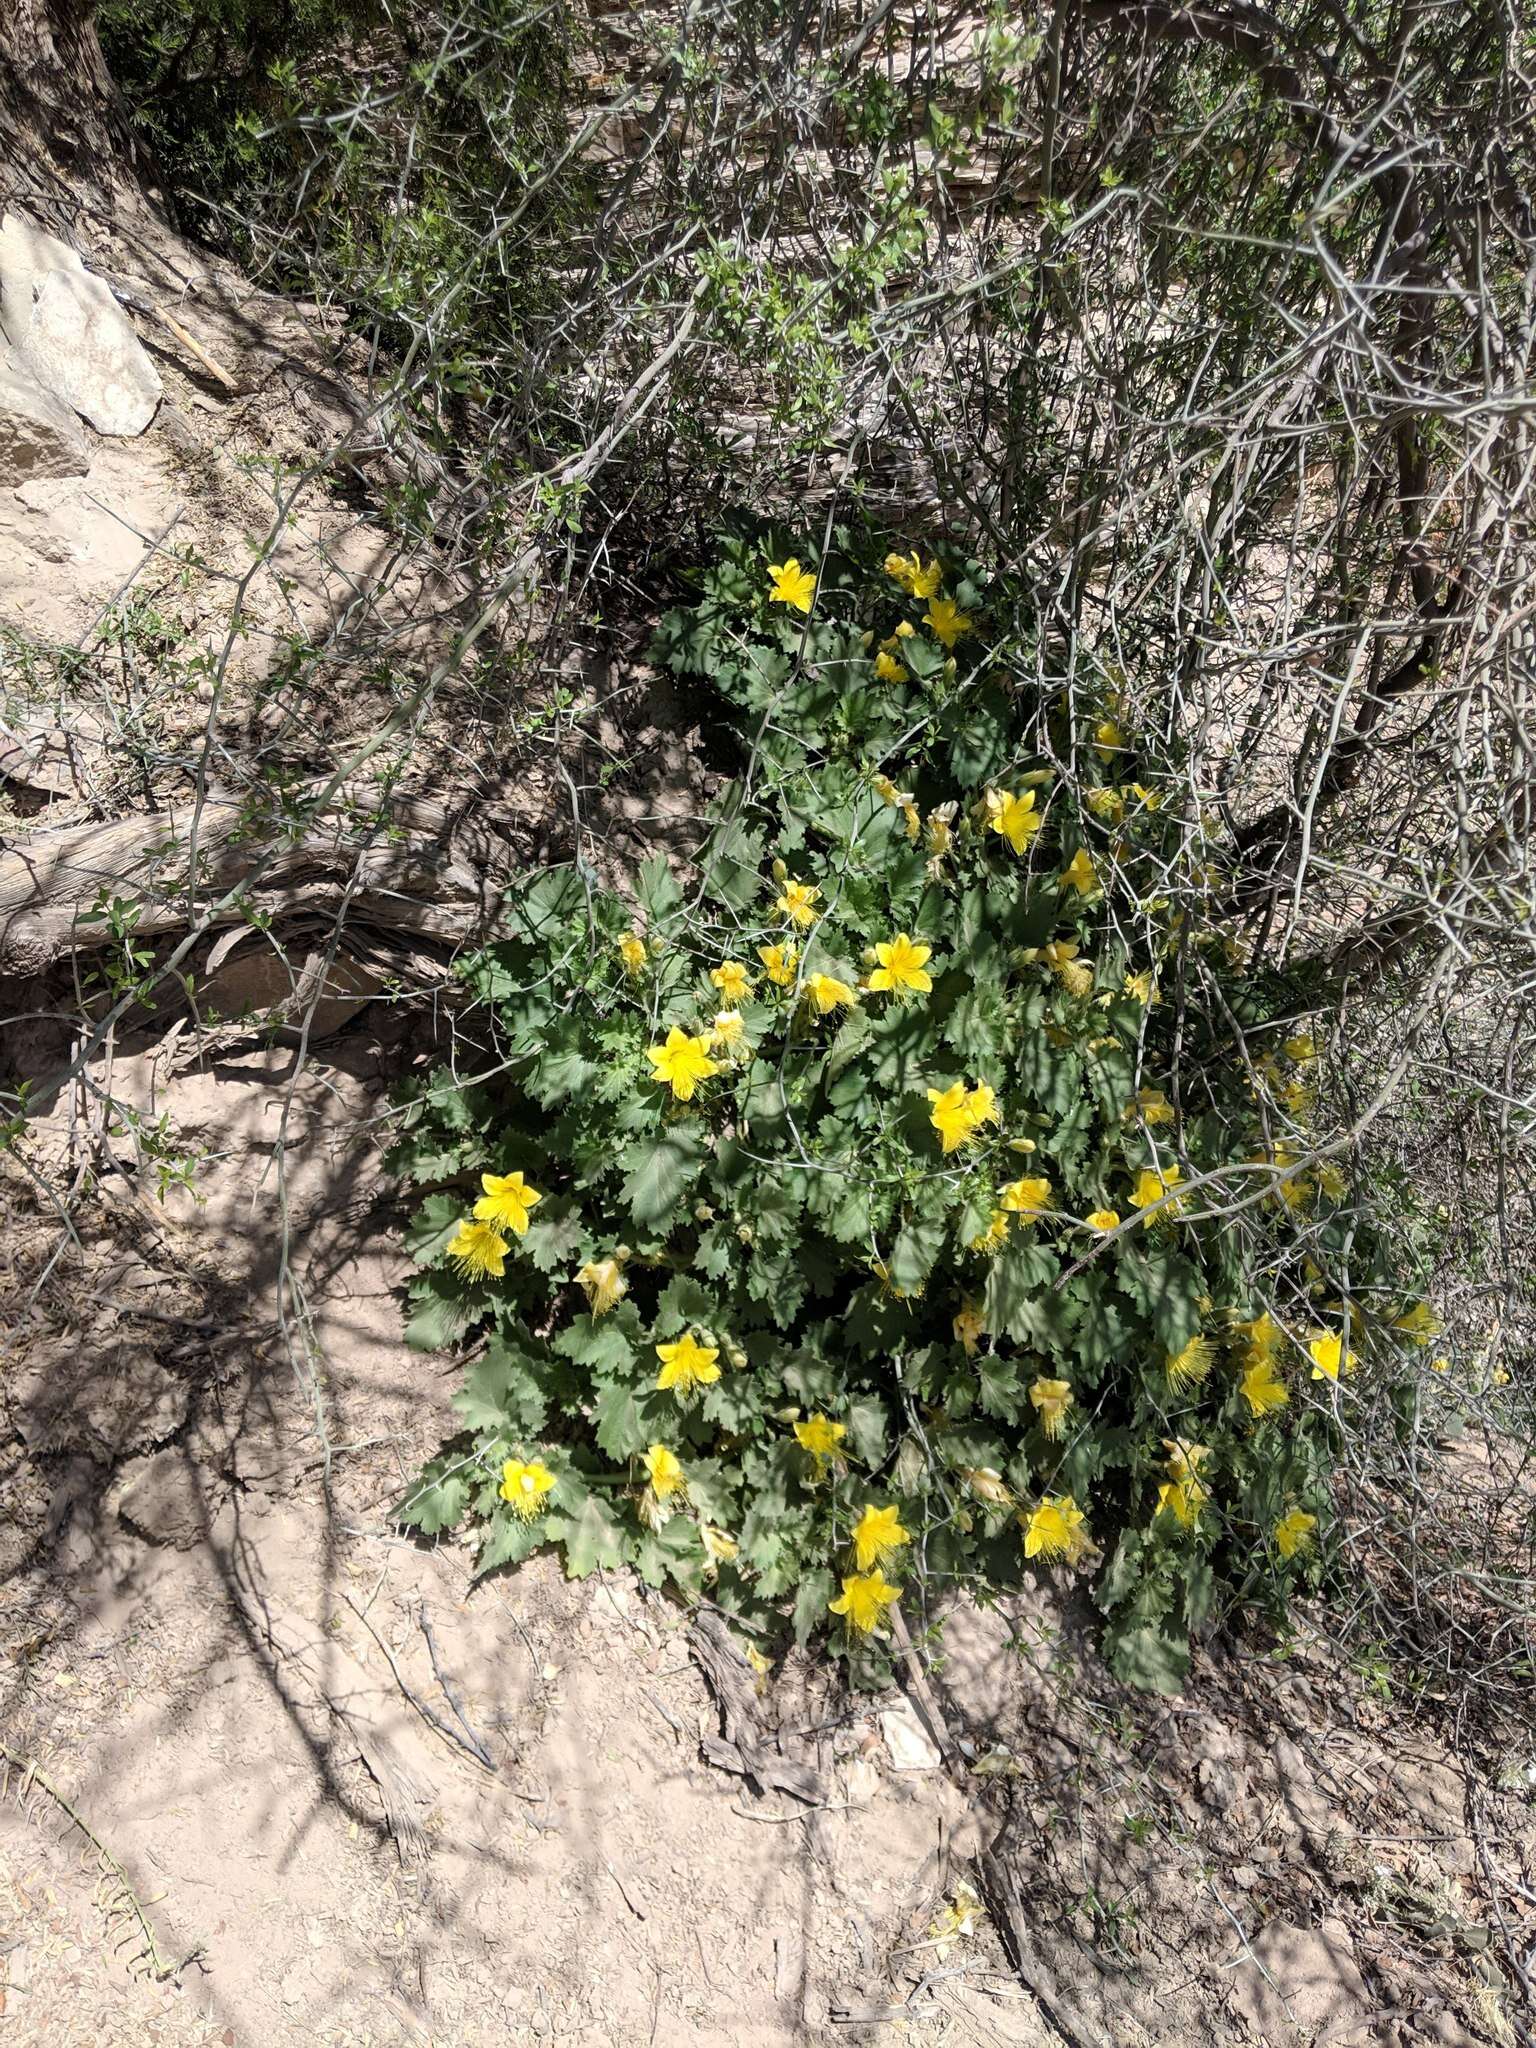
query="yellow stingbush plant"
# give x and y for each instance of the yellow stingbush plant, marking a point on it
(872, 1215)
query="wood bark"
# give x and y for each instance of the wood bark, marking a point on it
(65, 134)
(426, 871)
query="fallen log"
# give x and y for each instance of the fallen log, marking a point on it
(396, 863)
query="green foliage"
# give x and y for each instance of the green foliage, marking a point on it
(867, 1210)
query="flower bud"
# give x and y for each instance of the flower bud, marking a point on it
(780, 871)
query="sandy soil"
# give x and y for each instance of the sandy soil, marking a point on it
(262, 1702)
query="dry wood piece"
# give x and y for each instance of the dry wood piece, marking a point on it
(747, 1747)
(398, 863)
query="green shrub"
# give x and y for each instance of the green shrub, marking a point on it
(918, 1183)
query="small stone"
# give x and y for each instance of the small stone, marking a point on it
(910, 1745)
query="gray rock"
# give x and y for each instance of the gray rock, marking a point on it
(39, 437)
(167, 1500)
(70, 332)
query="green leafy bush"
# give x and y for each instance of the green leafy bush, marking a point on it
(912, 1186)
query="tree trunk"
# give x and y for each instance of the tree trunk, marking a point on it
(65, 135)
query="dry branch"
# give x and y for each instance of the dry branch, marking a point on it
(401, 864)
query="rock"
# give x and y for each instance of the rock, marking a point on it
(910, 1745)
(164, 1501)
(105, 1402)
(38, 435)
(1297, 1984)
(70, 333)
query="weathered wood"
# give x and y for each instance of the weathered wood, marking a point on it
(406, 865)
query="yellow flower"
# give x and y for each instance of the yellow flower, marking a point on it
(949, 1115)
(632, 952)
(1440, 1364)
(958, 1112)
(968, 1325)
(937, 834)
(732, 980)
(902, 967)
(663, 1471)
(1013, 818)
(728, 1033)
(1293, 1532)
(1107, 804)
(1187, 1368)
(506, 1201)
(877, 1535)
(1103, 1221)
(981, 1106)
(682, 1063)
(792, 585)
(901, 800)
(995, 1236)
(1263, 1337)
(719, 1547)
(1152, 1183)
(1184, 1458)
(1108, 739)
(917, 578)
(945, 620)
(1142, 988)
(1418, 1323)
(1053, 1529)
(1152, 1105)
(604, 1284)
(865, 1597)
(1262, 1390)
(1075, 976)
(686, 1366)
(780, 963)
(889, 669)
(1078, 874)
(1300, 1048)
(479, 1250)
(798, 902)
(1329, 1358)
(822, 1437)
(1051, 1400)
(523, 1486)
(1332, 1180)
(1150, 797)
(987, 1483)
(1028, 1197)
(1183, 1499)
(1297, 1096)
(825, 993)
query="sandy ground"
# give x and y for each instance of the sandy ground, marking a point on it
(262, 1702)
